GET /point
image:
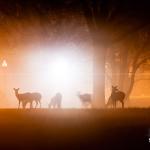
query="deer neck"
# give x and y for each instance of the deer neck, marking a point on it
(112, 93)
(17, 95)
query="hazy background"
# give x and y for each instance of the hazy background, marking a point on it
(35, 34)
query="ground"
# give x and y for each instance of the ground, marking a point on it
(74, 129)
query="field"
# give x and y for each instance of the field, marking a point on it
(74, 129)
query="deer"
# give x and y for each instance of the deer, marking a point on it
(56, 101)
(85, 99)
(116, 95)
(25, 98)
(37, 98)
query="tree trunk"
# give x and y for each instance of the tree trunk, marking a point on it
(99, 76)
(96, 13)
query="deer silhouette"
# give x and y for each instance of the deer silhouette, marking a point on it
(115, 96)
(26, 98)
(23, 98)
(56, 101)
(37, 98)
(85, 99)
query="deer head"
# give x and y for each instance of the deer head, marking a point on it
(114, 88)
(16, 90)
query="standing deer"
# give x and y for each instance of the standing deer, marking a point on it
(25, 98)
(115, 96)
(85, 99)
(37, 98)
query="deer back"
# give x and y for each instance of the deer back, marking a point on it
(85, 97)
(119, 95)
(36, 96)
(24, 96)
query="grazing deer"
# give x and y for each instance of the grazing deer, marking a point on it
(115, 96)
(37, 98)
(85, 99)
(56, 101)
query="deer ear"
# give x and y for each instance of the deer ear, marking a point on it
(18, 88)
(14, 88)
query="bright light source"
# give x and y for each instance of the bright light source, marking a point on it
(61, 75)
(60, 70)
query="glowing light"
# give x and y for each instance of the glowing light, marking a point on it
(60, 70)
(62, 76)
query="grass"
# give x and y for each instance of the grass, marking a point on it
(74, 129)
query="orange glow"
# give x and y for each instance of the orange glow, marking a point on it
(47, 72)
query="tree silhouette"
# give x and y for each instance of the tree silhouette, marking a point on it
(109, 23)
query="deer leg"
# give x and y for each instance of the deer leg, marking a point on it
(19, 105)
(49, 106)
(55, 105)
(40, 103)
(31, 105)
(36, 104)
(23, 105)
(108, 103)
(59, 105)
(52, 103)
(114, 104)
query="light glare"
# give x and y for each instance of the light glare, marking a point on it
(60, 70)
